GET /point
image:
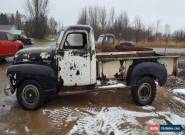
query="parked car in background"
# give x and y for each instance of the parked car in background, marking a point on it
(9, 45)
(25, 40)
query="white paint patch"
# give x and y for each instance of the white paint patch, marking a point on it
(44, 55)
(179, 91)
(149, 108)
(75, 69)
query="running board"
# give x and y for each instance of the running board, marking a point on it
(96, 89)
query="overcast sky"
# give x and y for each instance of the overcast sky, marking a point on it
(170, 12)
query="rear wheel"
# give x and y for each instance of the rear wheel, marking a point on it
(29, 95)
(143, 93)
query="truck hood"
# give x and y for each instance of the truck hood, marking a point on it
(41, 54)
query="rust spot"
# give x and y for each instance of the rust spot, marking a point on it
(175, 67)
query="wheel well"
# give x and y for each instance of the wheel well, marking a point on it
(135, 63)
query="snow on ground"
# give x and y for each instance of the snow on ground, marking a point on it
(149, 108)
(179, 95)
(179, 99)
(155, 121)
(179, 91)
(109, 120)
(119, 85)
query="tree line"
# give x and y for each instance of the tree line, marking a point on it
(107, 21)
(35, 22)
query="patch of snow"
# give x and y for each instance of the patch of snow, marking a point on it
(149, 108)
(98, 82)
(154, 121)
(27, 129)
(118, 85)
(173, 118)
(107, 121)
(179, 99)
(112, 82)
(179, 91)
(8, 131)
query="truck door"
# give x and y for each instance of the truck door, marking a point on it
(74, 59)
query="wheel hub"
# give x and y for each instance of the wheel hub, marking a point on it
(144, 91)
(30, 94)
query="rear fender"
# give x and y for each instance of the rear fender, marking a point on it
(151, 69)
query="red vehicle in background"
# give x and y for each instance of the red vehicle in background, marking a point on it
(9, 45)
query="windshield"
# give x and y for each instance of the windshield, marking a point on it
(60, 37)
(100, 40)
(10, 36)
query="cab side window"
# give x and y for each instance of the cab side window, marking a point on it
(75, 40)
(108, 40)
(3, 36)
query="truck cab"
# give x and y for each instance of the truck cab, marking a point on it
(77, 57)
(72, 66)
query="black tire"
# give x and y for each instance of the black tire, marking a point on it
(143, 93)
(29, 95)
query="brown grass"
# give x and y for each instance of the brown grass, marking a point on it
(161, 44)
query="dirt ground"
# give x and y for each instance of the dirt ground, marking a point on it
(106, 113)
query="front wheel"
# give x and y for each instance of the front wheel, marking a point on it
(143, 93)
(29, 95)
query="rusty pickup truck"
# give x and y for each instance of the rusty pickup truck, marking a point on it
(108, 43)
(72, 66)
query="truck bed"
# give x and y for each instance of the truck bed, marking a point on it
(111, 64)
(103, 56)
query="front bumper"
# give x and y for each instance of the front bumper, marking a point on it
(8, 90)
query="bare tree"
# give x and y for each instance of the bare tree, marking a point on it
(53, 26)
(83, 17)
(138, 27)
(167, 32)
(102, 18)
(157, 29)
(37, 13)
(93, 19)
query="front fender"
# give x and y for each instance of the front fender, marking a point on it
(44, 75)
(151, 69)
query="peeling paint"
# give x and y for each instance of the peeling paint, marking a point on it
(44, 55)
